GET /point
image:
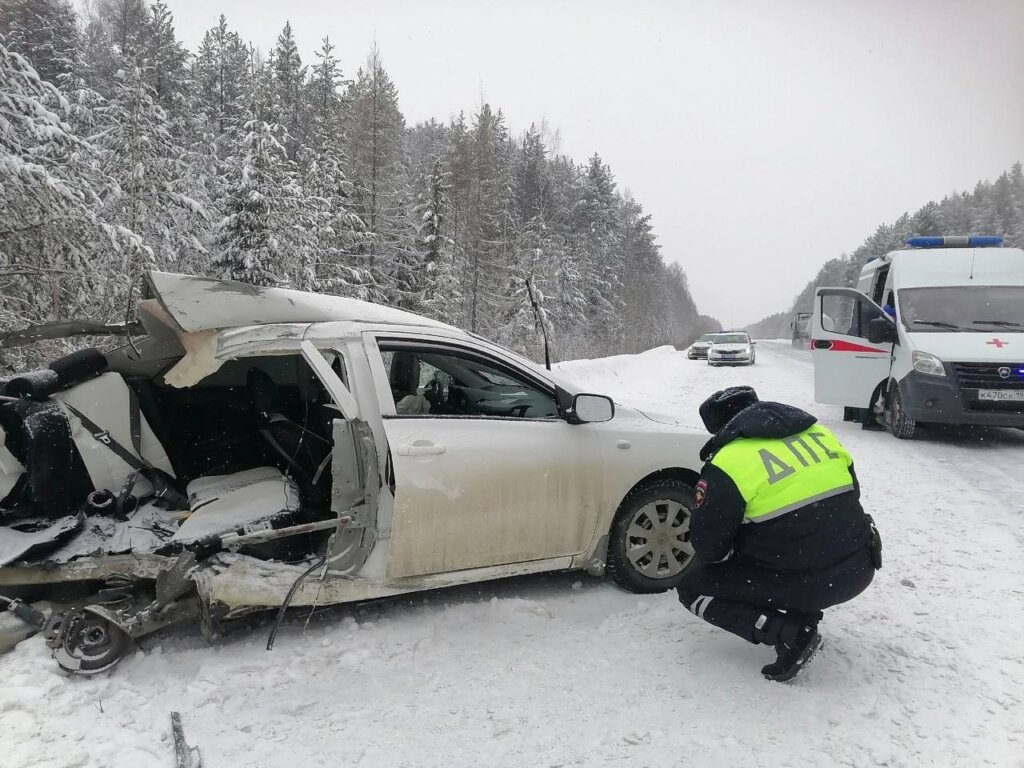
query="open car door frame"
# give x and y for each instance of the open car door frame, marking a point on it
(848, 368)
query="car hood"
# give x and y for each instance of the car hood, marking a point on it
(671, 419)
(701, 344)
(972, 347)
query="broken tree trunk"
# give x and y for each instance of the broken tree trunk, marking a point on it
(64, 329)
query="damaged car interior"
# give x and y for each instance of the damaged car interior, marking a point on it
(119, 484)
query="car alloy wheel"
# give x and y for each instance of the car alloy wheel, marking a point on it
(649, 546)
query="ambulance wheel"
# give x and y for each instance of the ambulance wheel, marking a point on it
(902, 426)
(649, 542)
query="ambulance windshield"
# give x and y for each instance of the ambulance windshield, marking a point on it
(976, 308)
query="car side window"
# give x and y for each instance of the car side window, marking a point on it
(847, 315)
(440, 382)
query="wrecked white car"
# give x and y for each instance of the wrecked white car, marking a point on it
(261, 448)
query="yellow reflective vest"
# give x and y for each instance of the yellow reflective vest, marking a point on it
(778, 476)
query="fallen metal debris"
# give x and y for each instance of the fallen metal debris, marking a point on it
(184, 755)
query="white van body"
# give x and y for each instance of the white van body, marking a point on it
(957, 315)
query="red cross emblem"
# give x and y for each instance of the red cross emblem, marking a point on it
(997, 343)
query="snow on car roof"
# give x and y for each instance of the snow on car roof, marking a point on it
(204, 303)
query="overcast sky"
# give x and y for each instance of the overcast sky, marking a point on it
(765, 137)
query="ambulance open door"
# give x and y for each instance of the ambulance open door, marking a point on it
(848, 367)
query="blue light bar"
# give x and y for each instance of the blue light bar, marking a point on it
(959, 241)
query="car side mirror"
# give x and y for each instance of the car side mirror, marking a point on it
(882, 330)
(591, 409)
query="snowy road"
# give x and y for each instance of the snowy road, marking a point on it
(926, 668)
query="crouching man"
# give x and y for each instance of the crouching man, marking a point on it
(778, 528)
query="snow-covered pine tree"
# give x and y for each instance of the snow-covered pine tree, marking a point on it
(529, 276)
(533, 182)
(337, 232)
(684, 322)
(437, 281)
(288, 77)
(143, 163)
(127, 23)
(641, 281)
(45, 32)
(489, 227)
(599, 233)
(219, 73)
(567, 302)
(49, 233)
(379, 175)
(265, 217)
(165, 60)
(115, 30)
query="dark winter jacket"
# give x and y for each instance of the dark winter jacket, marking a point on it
(814, 537)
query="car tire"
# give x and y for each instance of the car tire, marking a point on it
(663, 508)
(901, 425)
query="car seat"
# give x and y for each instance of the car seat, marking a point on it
(302, 450)
(405, 375)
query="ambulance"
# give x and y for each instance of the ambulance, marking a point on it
(933, 334)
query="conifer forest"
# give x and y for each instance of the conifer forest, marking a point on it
(121, 151)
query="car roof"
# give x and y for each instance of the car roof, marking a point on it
(203, 303)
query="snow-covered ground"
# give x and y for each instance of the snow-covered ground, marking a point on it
(926, 668)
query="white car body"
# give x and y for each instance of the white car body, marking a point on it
(434, 500)
(726, 350)
(954, 370)
(699, 349)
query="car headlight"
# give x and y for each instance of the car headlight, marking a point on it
(928, 364)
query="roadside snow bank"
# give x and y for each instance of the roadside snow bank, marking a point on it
(635, 380)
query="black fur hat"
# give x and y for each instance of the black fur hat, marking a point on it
(719, 409)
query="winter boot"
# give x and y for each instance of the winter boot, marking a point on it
(793, 653)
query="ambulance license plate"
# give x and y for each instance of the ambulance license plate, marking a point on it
(1002, 395)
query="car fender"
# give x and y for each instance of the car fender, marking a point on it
(637, 451)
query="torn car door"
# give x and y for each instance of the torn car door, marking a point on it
(354, 470)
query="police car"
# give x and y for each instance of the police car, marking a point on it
(734, 348)
(934, 333)
(699, 349)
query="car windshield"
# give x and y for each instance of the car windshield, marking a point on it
(707, 337)
(731, 338)
(961, 308)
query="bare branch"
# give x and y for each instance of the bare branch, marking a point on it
(64, 329)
